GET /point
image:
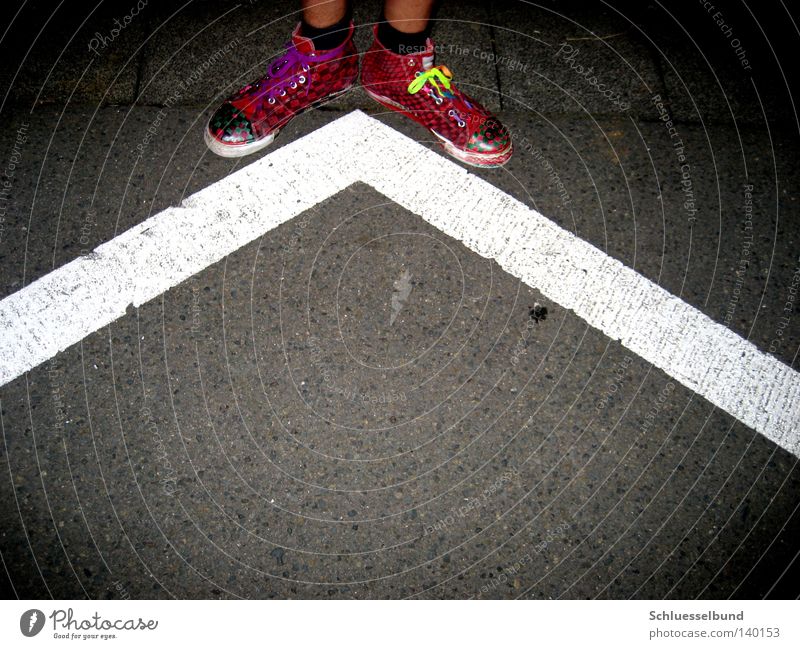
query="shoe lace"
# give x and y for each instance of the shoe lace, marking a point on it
(287, 70)
(291, 70)
(433, 77)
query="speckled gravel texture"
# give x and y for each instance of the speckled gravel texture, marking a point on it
(357, 406)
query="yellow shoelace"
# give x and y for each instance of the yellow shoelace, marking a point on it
(434, 76)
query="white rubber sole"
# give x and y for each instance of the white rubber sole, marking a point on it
(477, 160)
(474, 160)
(241, 150)
(237, 150)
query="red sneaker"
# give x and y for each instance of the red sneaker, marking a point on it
(412, 85)
(298, 79)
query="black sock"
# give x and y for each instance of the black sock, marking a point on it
(326, 38)
(401, 42)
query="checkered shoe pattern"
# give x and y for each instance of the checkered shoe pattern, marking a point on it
(412, 85)
(298, 79)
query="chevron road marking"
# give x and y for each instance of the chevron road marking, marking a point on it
(68, 304)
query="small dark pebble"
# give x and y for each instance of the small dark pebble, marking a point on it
(538, 313)
(278, 554)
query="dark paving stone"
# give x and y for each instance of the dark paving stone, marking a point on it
(730, 63)
(47, 57)
(573, 59)
(200, 53)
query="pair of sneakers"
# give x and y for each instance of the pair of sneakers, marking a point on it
(303, 77)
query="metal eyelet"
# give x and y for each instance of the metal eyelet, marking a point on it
(451, 112)
(293, 85)
(302, 79)
(417, 73)
(282, 93)
(306, 68)
(271, 100)
(462, 123)
(438, 100)
(411, 62)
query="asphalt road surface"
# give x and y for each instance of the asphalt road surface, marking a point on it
(354, 403)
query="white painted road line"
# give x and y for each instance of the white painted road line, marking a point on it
(75, 300)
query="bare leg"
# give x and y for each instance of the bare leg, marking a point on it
(408, 16)
(323, 13)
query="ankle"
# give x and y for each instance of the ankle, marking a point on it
(327, 38)
(400, 42)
